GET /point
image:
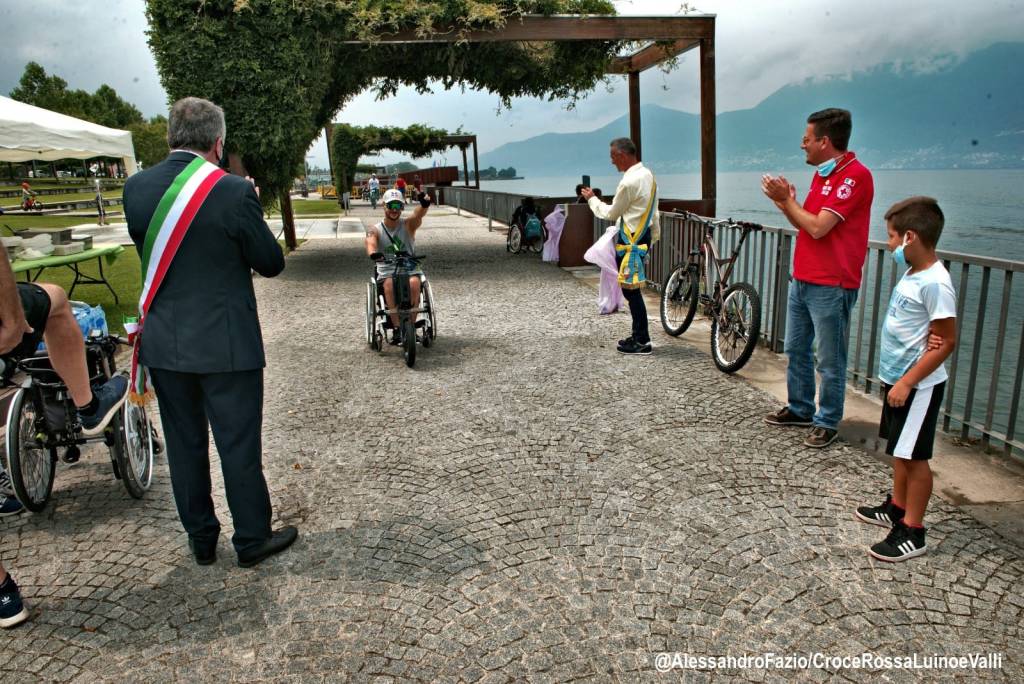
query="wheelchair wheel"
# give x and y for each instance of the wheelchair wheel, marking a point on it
(515, 238)
(431, 332)
(371, 312)
(32, 465)
(133, 448)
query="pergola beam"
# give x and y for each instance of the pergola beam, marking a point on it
(650, 56)
(564, 27)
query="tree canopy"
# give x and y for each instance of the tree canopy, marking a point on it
(281, 70)
(104, 107)
(349, 143)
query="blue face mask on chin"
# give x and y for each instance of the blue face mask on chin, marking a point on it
(898, 256)
(825, 169)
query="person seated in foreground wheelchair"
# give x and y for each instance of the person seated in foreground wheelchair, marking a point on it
(30, 312)
(389, 237)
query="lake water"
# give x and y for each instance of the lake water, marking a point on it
(984, 209)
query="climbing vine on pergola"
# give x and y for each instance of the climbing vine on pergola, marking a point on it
(349, 143)
(281, 69)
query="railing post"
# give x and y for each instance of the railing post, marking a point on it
(778, 341)
(458, 204)
(490, 213)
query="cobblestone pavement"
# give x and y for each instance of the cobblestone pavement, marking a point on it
(525, 504)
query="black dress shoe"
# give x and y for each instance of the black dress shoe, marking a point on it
(279, 541)
(205, 552)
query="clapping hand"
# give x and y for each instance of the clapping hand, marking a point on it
(777, 189)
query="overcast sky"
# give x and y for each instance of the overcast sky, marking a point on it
(760, 47)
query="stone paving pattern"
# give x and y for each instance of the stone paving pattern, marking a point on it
(525, 504)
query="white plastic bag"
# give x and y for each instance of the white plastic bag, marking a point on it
(602, 253)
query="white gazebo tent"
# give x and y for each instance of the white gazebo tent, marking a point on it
(31, 133)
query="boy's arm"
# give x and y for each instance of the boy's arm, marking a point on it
(944, 328)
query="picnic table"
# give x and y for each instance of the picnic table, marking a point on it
(33, 268)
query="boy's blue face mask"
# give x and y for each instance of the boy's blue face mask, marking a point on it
(898, 256)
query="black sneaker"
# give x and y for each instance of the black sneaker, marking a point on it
(820, 437)
(12, 608)
(625, 341)
(635, 347)
(9, 505)
(109, 398)
(885, 515)
(396, 338)
(787, 418)
(902, 543)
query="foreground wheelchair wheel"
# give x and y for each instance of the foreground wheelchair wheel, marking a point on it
(134, 449)
(32, 464)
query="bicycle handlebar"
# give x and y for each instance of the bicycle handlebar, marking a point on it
(719, 223)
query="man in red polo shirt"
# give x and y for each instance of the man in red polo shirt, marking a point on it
(831, 245)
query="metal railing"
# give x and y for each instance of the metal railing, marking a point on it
(986, 370)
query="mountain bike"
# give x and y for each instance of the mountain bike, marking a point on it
(735, 310)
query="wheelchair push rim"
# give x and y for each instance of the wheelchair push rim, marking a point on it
(31, 464)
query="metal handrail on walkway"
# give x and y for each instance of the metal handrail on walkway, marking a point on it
(986, 370)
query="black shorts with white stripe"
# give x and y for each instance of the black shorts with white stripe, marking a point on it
(910, 428)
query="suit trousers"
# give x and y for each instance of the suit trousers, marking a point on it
(231, 404)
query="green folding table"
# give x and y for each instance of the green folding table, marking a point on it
(33, 268)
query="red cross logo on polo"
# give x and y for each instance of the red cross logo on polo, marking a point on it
(844, 191)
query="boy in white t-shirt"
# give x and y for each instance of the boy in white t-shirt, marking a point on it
(912, 373)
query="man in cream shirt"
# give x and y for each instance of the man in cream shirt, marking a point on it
(635, 210)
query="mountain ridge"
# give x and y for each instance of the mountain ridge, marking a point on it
(967, 115)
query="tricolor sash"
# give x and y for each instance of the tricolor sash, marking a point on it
(631, 269)
(171, 220)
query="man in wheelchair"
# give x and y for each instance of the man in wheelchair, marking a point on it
(393, 235)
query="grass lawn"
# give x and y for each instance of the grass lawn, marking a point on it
(124, 276)
(21, 222)
(308, 207)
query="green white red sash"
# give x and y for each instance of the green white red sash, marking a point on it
(171, 220)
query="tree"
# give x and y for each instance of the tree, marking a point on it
(510, 172)
(150, 140)
(281, 68)
(104, 107)
(349, 143)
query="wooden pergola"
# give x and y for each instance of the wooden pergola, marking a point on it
(665, 37)
(461, 141)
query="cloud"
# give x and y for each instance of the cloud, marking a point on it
(760, 47)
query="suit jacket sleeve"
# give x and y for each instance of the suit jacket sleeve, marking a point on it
(259, 247)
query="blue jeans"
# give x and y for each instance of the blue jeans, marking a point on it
(818, 313)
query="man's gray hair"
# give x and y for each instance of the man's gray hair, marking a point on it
(195, 124)
(624, 145)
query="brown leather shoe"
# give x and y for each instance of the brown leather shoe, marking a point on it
(820, 437)
(787, 418)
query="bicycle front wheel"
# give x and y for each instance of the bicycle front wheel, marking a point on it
(409, 341)
(735, 327)
(679, 295)
(32, 464)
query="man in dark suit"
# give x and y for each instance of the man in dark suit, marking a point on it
(201, 341)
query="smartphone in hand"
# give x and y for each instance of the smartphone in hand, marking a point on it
(586, 181)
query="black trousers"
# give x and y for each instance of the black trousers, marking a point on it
(232, 405)
(638, 310)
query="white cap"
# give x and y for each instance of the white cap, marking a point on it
(392, 196)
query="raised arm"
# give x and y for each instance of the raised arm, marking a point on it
(413, 223)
